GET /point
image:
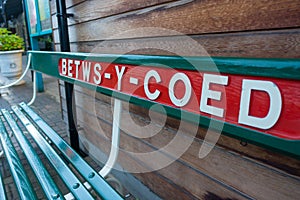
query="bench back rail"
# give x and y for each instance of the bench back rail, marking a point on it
(239, 76)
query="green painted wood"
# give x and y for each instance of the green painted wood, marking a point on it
(35, 36)
(94, 179)
(49, 187)
(265, 67)
(21, 180)
(69, 178)
(39, 30)
(47, 62)
(2, 189)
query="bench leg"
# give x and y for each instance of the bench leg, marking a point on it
(39, 82)
(114, 150)
(74, 138)
(34, 83)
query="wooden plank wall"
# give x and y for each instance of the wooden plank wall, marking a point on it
(239, 28)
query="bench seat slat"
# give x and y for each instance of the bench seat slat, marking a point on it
(2, 189)
(71, 181)
(49, 187)
(97, 182)
(21, 180)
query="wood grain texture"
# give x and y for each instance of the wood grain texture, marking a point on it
(93, 9)
(263, 156)
(249, 176)
(69, 3)
(158, 184)
(190, 17)
(285, 163)
(99, 105)
(260, 44)
(180, 175)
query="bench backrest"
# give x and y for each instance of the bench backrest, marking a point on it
(255, 100)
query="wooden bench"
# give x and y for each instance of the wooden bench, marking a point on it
(146, 81)
(58, 152)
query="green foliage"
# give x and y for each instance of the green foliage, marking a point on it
(9, 41)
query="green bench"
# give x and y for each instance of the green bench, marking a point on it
(150, 80)
(59, 154)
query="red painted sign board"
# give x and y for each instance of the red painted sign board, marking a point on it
(267, 105)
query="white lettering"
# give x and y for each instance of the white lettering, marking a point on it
(77, 63)
(188, 89)
(64, 66)
(86, 67)
(210, 94)
(275, 104)
(97, 68)
(155, 75)
(70, 62)
(119, 75)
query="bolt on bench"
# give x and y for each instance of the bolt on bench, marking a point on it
(149, 80)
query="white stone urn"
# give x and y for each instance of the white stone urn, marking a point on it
(11, 64)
